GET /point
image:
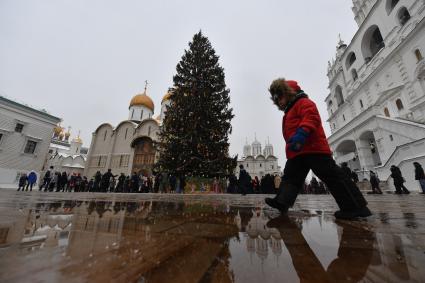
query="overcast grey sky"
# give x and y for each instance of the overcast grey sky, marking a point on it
(83, 60)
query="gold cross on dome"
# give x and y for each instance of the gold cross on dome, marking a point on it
(146, 85)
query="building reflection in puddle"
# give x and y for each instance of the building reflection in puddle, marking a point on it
(156, 241)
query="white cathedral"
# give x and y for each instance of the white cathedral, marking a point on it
(258, 162)
(376, 104)
(128, 147)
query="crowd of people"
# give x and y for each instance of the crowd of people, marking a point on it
(169, 183)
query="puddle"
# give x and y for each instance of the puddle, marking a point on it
(175, 240)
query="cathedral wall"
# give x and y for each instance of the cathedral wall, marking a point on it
(122, 151)
(149, 128)
(100, 149)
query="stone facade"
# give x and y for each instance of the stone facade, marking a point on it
(258, 162)
(128, 147)
(25, 135)
(377, 86)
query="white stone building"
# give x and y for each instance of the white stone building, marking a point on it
(64, 155)
(258, 162)
(376, 103)
(25, 135)
(128, 147)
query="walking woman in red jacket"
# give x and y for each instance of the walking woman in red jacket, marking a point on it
(307, 149)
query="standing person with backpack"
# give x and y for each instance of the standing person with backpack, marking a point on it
(420, 175)
(307, 149)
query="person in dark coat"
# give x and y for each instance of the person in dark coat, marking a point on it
(398, 180)
(63, 182)
(78, 181)
(97, 181)
(314, 186)
(32, 179)
(120, 184)
(182, 183)
(374, 182)
(135, 181)
(90, 185)
(420, 175)
(127, 184)
(173, 182)
(84, 184)
(244, 181)
(46, 179)
(157, 182)
(106, 179)
(233, 184)
(22, 181)
(307, 149)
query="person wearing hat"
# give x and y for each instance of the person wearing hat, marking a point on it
(420, 175)
(307, 149)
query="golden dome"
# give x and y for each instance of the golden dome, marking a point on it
(142, 100)
(78, 140)
(57, 130)
(166, 97)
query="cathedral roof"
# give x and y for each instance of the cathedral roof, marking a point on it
(142, 100)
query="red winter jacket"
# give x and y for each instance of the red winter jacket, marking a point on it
(302, 112)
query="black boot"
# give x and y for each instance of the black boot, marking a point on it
(353, 214)
(285, 198)
(273, 202)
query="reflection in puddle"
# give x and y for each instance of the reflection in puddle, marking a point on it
(158, 241)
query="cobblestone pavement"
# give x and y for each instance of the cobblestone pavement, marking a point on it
(86, 237)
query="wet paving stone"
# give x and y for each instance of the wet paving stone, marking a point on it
(86, 237)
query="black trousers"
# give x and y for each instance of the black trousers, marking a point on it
(346, 193)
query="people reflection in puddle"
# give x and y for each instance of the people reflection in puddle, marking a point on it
(354, 253)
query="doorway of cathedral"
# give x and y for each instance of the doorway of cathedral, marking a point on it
(144, 156)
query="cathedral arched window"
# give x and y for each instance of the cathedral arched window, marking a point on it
(354, 75)
(104, 137)
(399, 104)
(387, 112)
(391, 5)
(132, 114)
(361, 103)
(403, 16)
(141, 115)
(338, 95)
(126, 131)
(372, 42)
(351, 58)
(418, 55)
(149, 131)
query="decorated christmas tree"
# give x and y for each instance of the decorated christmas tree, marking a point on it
(194, 138)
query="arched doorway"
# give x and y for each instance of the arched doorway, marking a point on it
(144, 156)
(346, 151)
(370, 149)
